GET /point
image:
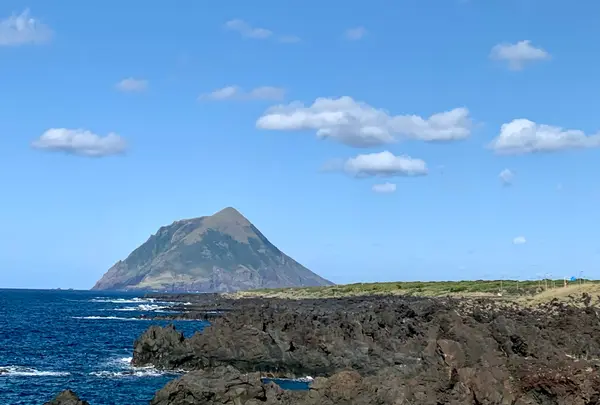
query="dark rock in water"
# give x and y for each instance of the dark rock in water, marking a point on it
(217, 253)
(227, 385)
(294, 339)
(67, 397)
(3, 371)
(206, 306)
(222, 385)
(384, 351)
(161, 347)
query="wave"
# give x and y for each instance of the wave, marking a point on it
(124, 301)
(125, 369)
(119, 318)
(106, 318)
(149, 302)
(19, 371)
(141, 308)
(149, 372)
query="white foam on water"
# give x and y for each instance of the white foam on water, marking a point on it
(124, 301)
(147, 372)
(125, 370)
(150, 303)
(20, 371)
(141, 308)
(120, 363)
(106, 318)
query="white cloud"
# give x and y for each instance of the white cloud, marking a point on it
(506, 177)
(80, 142)
(519, 54)
(246, 30)
(237, 93)
(355, 34)
(384, 164)
(132, 85)
(384, 188)
(23, 29)
(221, 94)
(519, 240)
(525, 136)
(360, 125)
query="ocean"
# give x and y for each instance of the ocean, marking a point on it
(81, 340)
(78, 340)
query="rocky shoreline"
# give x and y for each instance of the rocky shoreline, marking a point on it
(378, 350)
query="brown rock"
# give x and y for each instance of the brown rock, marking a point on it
(67, 397)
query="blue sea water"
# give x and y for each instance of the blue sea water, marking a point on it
(290, 384)
(80, 340)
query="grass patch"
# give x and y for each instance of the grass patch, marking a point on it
(466, 288)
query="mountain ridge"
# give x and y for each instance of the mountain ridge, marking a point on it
(223, 252)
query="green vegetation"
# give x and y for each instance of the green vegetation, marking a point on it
(472, 288)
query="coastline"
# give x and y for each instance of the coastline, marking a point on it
(376, 350)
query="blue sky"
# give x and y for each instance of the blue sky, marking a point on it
(314, 121)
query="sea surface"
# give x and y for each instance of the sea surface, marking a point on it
(80, 340)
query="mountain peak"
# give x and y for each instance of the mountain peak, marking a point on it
(220, 252)
(229, 214)
(229, 220)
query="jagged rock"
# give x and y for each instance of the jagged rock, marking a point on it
(296, 339)
(386, 351)
(162, 347)
(222, 385)
(227, 385)
(67, 397)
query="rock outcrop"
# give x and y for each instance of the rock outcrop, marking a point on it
(226, 385)
(385, 351)
(221, 385)
(67, 397)
(219, 253)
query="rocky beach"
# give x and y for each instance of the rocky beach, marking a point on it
(378, 350)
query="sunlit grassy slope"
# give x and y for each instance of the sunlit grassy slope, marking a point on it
(485, 288)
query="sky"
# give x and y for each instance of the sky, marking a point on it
(370, 141)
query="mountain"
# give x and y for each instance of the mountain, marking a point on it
(219, 253)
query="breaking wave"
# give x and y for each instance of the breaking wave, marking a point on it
(125, 301)
(104, 318)
(141, 307)
(140, 372)
(19, 371)
(126, 370)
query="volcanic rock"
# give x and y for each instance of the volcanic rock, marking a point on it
(385, 351)
(67, 397)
